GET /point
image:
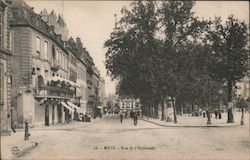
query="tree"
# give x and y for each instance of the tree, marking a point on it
(130, 50)
(180, 28)
(228, 61)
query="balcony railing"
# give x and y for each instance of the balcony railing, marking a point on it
(56, 89)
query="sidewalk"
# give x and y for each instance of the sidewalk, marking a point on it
(69, 126)
(192, 121)
(16, 140)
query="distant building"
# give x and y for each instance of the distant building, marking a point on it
(243, 87)
(129, 104)
(5, 66)
(102, 92)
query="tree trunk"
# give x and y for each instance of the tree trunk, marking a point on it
(192, 109)
(148, 109)
(208, 117)
(242, 116)
(230, 117)
(163, 117)
(156, 111)
(181, 109)
(173, 102)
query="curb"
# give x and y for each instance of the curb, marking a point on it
(189, 126)
(65, 129)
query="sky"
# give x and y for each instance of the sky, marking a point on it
(93, 21)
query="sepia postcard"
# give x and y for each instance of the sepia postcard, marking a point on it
(124, 80)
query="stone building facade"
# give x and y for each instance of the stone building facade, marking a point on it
(43, 91)
(52, 77)
(5, 67)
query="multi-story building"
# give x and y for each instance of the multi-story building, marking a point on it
(58, 23)
(102, 92)
(89, 74)
(5, 66)
(77, 58)
(42, 90)
(54, 78)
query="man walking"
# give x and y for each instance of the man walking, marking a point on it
(121, 116)
(135, 118)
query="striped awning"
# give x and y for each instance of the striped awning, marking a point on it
(68, 107)
(73, 105)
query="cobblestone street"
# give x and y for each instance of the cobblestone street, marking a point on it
(110, 139)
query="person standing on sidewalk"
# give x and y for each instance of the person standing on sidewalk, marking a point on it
(12, 125)
(135, 118)
(121, 116)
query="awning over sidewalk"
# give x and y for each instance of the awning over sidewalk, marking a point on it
(68, 107)
(74, 106)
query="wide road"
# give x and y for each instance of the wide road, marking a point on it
(110, 139)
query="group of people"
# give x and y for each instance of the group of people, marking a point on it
(84, 117)
(134, 115)
(217, 114)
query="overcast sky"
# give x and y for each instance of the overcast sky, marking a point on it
(93, 21)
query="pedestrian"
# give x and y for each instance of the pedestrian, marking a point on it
(216, 113)
(135, 118)
(121, 116)
(204, 114)
(219, 114)
(12, 124)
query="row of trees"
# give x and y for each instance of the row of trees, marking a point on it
(160, 49)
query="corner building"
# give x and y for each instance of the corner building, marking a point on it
(43, 91)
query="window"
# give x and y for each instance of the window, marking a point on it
(1, 82)
(38, 45)
(8, 39)
(57, 54)
(12, 41)
(1, 28)
(65, 62)
(61, 59)
(45, 49)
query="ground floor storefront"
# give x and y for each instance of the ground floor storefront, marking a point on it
(45, 112)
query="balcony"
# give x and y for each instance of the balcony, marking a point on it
(56, 89)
